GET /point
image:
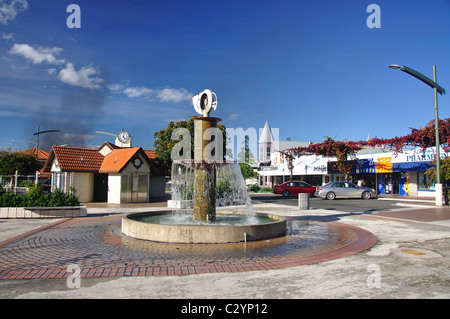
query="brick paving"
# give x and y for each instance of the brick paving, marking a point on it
(98, 247)
(421, 214)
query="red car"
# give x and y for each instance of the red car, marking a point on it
(294, 188)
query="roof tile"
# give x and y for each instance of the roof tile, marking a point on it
(42, 155)
(78, 159)
(117, 159)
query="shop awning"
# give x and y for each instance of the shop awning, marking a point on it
(411, 167)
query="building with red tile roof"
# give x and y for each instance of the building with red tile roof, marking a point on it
(41, 155)
(41, 158)
(110, 173)
(76, 159)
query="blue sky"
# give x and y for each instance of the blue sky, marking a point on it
(310, 68)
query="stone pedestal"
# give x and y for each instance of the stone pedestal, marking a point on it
(205, 174)
(303, 201)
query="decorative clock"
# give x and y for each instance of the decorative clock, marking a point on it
(123, 136)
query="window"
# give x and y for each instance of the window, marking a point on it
(425, 182)
(59, 181)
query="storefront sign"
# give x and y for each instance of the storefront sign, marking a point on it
(383, 165)
(319, 169)
(333, 167)
(427, 156)
(374, 165)
(365, 166)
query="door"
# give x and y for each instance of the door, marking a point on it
(134, 188)
(126, 188)
(142, 189)
(290, 188)
(352, 190)
(305, 188)
(295, 189)
(339, 189)
(100, 187)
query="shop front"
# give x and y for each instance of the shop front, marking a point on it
(399, 174)
(336, 174)
(311, 169)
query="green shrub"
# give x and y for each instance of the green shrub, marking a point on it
(36, 197)
(8, 199)
(223, 189)
(254, 188)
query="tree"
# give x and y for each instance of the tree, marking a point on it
(342, 150)
(423, 137)
(163, 142)
(247, 171)
(445, 169)
(246, 155)
(25, 164)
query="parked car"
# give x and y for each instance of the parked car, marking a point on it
(344, 189)
(294, 188)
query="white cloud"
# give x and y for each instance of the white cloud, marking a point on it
(163, 95)
(233, 116)
(85, 77)
(173, 95)
(116, 88)
(7, 36)
(37, 55)
(137, 91)
(81, 77)
(9, 10)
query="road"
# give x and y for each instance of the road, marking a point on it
(352, 205)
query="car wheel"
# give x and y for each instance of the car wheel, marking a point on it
(366, 195)
(285, 193)
(331, 195)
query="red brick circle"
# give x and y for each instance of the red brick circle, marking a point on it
(97, 246)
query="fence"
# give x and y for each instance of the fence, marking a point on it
(18, 183)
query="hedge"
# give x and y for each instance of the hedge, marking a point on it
(36, 197)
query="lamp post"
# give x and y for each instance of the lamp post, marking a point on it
(437, 89)
(37, 138)
(37, 150)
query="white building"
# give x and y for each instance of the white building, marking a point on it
(110, 173)
(273, 167)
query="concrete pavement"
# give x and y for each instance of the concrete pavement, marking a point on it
(410, 260)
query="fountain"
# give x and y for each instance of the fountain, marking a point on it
(206, 182)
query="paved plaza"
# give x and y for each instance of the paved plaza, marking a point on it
(402, 253)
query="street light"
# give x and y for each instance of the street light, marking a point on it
(437, 89)
(37, 138)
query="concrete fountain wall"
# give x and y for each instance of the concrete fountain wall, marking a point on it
(43, 212)
(202, 234)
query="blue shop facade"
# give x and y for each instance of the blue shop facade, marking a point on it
(401, 173)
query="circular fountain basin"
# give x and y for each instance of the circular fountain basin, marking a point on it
(230, 227)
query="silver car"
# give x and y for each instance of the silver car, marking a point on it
(344, 189)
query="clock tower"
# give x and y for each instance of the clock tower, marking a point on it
(123, 139)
